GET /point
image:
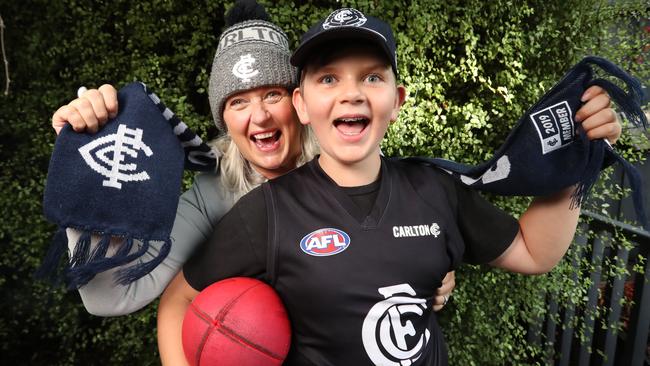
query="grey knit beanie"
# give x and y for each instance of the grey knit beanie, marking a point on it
(252, 53)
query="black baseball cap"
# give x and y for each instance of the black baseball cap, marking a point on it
(346, 23)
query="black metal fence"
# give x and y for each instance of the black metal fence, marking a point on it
(619, 334)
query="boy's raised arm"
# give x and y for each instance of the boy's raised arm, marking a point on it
(546, 230)
(548, 225)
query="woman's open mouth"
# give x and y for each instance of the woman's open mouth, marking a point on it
(266, 141)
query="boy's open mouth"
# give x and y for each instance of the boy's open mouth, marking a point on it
(266, 140)
(351, 126)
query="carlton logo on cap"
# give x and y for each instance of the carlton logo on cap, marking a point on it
(346, 17)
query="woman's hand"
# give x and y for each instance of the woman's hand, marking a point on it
(444, 292)
(89, 112)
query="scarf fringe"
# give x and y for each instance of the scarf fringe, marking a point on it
(630, 106)
(102, 248)
(629, 102)
(636, 183)
(48, 269)
(591, 172)
(79, 275)
(81, 250)
(127, 275)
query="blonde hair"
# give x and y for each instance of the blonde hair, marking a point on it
(237, 174)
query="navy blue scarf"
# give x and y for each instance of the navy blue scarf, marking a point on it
(123, 181)
(548, 151)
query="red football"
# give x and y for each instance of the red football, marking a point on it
(238, 321)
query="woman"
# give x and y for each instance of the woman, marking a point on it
(250, 100)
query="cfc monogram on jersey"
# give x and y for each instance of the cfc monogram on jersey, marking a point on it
(389, 337)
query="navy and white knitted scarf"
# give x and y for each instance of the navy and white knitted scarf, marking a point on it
(123, 181)
(548, 151)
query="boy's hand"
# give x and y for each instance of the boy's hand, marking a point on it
(443, 293)
(89, 112)
(597, 117)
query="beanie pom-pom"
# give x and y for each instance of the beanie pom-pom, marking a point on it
(246, 10)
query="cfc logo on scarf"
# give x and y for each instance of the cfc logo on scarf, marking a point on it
(325, 242)
(125, 142)
(388, 334)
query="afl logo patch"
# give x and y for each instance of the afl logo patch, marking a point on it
(325, 242)
(345, 17)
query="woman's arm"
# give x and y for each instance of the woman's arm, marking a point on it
(171, 311)
(237, 247)
(101, 296)
(198, 210)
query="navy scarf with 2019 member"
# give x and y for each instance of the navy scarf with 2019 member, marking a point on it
(548, 151)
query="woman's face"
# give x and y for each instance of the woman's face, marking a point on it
(263, 124)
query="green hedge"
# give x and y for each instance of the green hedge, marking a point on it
(472, 67)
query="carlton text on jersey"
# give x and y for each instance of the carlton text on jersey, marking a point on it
(416, 230)
(325, 242)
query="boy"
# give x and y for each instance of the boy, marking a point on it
(352, 241)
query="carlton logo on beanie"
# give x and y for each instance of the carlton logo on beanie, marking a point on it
(252, 53)
(124, 181)
(244, 70)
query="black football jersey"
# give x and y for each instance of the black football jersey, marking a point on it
(358, 284)
(359, 288)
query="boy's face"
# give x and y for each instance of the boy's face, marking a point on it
(349, 102)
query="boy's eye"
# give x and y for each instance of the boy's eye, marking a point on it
(373, 78)
(327, 79)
